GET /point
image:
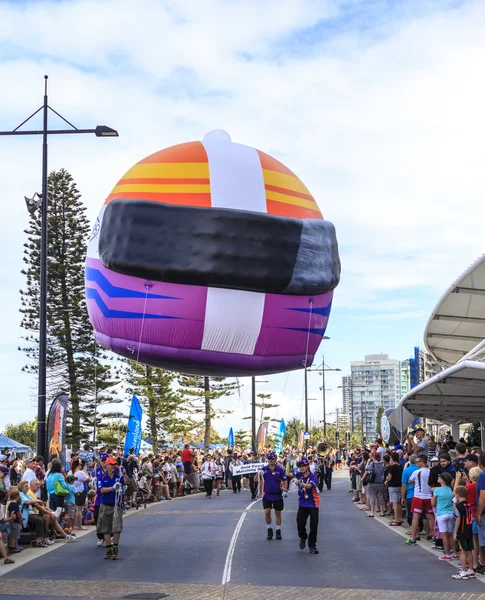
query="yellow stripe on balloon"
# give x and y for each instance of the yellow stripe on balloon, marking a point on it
(169, 170)
(291, 200)
(284, 181)
(163, 189)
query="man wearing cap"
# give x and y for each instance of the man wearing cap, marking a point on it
(273, 482)
(110, 520)
(471, 460)
(308, 503)
(422, 445)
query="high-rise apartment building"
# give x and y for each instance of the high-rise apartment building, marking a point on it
(405, 377)
(375, 382)
(346, 394)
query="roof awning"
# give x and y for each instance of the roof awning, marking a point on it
(456, 395)
(457, 324)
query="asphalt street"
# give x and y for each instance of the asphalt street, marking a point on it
(188, 548)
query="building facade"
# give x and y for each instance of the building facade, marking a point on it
(405, 377)
(421, 367)
(346, 394)
(375, 382)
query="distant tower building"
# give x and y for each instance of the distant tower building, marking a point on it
(346, 394)
(376, 381)
(421, 367)
(405, 377)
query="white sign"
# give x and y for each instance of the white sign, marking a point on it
(245, 469)
(306, 435)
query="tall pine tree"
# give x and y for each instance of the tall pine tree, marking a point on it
(69, 333)
(203, 392)
(167, 410)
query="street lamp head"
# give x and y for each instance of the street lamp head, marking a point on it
(104, 131)
(33, 204)
(337, 369)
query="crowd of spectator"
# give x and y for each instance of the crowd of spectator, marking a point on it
(436, 490)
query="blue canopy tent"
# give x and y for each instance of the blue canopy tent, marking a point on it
(12, 445)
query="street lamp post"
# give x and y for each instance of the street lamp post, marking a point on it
(322, 371)
(99, 131)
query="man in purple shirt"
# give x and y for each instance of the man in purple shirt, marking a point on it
(308, 503)
(273, 488)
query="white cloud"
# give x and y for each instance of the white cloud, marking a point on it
(381, 116)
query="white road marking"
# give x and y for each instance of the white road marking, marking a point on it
(226, 574)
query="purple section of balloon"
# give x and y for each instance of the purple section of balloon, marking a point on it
(173, 327)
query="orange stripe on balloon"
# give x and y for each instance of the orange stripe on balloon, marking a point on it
(181, 153)
(202, 200)
(161, 180)
(291, 210)
(270, 163)
(281, 190)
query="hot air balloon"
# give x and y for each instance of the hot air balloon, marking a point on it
(212, 258)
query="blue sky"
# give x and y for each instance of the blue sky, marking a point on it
(376, 105)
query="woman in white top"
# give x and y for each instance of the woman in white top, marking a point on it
(81, 479)
(219, 474)
(208, 475)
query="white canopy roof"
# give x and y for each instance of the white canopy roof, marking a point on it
(457, 394)
(457, 324)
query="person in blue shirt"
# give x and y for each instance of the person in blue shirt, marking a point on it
(70, 502)
(273, 489)
(308, 503)
(407, 489)
(110, 520)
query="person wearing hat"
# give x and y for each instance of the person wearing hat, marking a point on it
(422, 444)
(99, 470)
(442, 500)
(110, 520)
(308, 503)
(471, 460)
(273, 482)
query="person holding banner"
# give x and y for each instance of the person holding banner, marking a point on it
(273, 483)
(208, 475)
(235, 475)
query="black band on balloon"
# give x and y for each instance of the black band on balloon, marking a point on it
(219, 247)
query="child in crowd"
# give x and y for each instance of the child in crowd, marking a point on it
(180, 471)
(13, 512)
(69, 503)
(89, 516)
(443, 501)
(463, 533)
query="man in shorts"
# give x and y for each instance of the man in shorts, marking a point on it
(273, 482)
(421, 504)
(110, 520)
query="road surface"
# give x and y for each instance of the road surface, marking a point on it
(195, 548)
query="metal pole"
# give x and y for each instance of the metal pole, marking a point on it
(306, 407)
(253, 413)
(337, 429)
(324, 403)
(42, 375)
(362, 420)
(351, 404)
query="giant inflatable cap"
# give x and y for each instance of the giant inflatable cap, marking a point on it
(211, 258)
